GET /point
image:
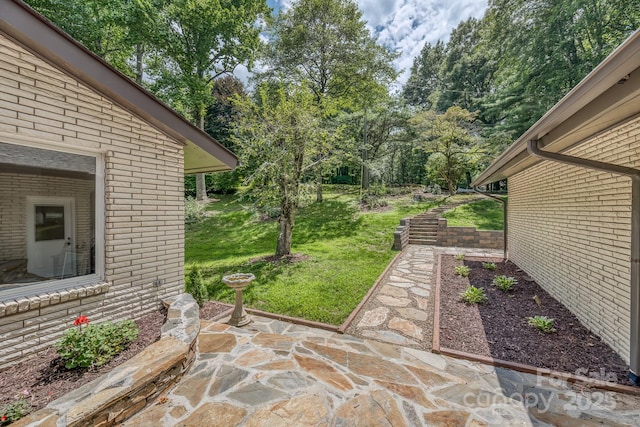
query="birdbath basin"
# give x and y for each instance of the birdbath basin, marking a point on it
(238, 282)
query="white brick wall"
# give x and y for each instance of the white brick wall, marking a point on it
(570, 229)
(144, 224)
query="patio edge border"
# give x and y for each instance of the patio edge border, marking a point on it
(520, 367)
(368, 295)
(294, 320)
(435, 344)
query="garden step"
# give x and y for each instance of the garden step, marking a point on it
(423, 227)
(422, 241)
(422, 235)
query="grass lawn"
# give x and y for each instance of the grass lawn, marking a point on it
(347, 251)
(484, 215)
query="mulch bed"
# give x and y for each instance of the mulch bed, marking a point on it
(498, 328)
(45, 378)
(213, 309)
(286, 259)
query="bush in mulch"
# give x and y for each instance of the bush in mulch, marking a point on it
(500, 327)
(43, 378)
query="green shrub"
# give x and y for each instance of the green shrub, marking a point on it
(459, 257)
(473, 295)
(462, 270)
(194, 211)
(88, 345)
(195, 286)
(542, 323)
(489, 266)
(504, 283)
(341, 179)
(372, 201)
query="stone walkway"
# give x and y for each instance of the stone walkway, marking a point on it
(273, 374)
(400, 311)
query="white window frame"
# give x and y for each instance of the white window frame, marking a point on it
(100, 220)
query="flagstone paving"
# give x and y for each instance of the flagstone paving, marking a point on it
(272, 373)
(400, 311)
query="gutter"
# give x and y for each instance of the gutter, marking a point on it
(504, 217)
(534, 149)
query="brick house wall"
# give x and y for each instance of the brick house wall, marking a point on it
(143, 184)
(570, 229)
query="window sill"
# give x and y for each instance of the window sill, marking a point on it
(58, 292)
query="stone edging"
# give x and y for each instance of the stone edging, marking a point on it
(129, 387)
(520, 367)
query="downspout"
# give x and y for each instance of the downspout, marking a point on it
(504, 218)
(634, 174)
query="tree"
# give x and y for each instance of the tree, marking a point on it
(425, 82)
(326, 45)
(546, 47)
(451, 141)
(275, 134)
(97, 24)
(203, 40)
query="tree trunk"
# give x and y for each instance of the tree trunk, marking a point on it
(365, 154)
(319, 184)
(452, 187)
(201, 181)
(287, 218)
(201, 187)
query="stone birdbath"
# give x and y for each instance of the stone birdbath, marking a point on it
(238, 282)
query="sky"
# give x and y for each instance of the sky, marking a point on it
(405, 25)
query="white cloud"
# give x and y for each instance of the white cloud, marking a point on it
(405, 25)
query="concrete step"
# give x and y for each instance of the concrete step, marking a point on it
(422, 241)
(423, 227)
(424, 223)
(413, 235)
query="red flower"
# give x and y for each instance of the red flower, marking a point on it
(81, 320)
(3, 418)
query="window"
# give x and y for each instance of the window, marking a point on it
(48, 228)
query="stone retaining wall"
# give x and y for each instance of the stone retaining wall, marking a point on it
(128, 388)
(401, 235)
(468, 237)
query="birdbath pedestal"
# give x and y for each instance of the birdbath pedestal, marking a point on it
(238, 282)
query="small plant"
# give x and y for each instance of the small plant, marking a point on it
(489, 265)
(459, 257)
(195, 286)
(15, 410)
(194, 211)
(542, 323)
(473, 295)
(462, 271)
(88, 345)
(537, 300)
(504, 283)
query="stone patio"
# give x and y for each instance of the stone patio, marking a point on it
(272, 373)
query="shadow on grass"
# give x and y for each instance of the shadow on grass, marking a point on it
(326, 220)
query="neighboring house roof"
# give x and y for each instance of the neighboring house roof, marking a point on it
(31, 30)
(609, 95)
